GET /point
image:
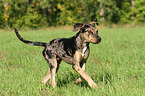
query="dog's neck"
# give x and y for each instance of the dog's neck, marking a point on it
(81, 44)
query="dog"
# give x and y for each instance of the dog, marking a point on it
(74, 50)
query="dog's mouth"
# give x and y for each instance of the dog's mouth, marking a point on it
(97, 41)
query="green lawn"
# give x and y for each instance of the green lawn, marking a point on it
(117, 65)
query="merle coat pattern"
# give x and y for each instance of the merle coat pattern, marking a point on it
(73, 50)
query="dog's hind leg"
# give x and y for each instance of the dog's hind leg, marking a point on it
(51, 58)
(48, 76)
(53, 71)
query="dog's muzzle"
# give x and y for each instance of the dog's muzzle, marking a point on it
(99, 39)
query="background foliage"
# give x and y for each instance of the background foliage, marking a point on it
(44, 13)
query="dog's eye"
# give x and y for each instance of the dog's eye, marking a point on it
(96, 30)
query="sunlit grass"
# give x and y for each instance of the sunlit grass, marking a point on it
(117, 64)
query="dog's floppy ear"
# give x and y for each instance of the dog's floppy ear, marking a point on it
(95, 21)
(78, 26)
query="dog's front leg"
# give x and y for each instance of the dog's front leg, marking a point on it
(83, 66)
(85, 76)
(80, 70)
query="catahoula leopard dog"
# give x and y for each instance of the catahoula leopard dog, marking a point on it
(73, 50)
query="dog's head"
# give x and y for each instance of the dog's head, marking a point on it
(88, 31)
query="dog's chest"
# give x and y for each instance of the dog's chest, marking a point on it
(84, 50)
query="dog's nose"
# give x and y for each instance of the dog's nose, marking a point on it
(99, 39)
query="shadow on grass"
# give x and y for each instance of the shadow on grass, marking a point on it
(71, 77)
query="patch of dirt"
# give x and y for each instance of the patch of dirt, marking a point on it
(3, 54)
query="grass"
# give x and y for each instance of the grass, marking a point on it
(117, 65)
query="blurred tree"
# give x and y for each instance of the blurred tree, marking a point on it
(132, 5)
(40, 13)
(50, 11)
(101, 12)
(126, 11)
(70, 12)
(111, 11)
(139, 11)
(90, 10)
(33, 17)
(17, 9)
(6, 13)
(2, 11)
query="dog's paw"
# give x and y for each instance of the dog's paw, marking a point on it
(44, 81)
(94, 86)
(78, 81)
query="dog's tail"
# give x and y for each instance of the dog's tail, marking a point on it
(29, 42)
